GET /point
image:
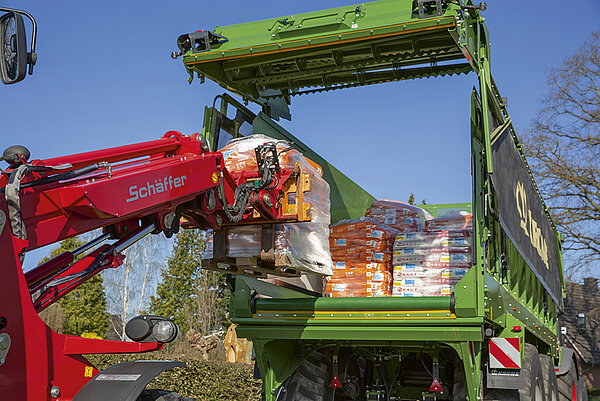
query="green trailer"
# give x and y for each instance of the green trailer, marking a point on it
(497, 336)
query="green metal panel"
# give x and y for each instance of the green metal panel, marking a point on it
(355, 45)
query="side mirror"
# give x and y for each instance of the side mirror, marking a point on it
(13, 56)
(580, 323)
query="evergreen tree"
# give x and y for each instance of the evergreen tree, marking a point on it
(176, 290)
(193, 298)
(84, 308)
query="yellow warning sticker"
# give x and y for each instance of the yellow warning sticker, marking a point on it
(89, 371)
(215, 177)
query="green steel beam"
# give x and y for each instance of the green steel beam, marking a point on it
(350, 332)
(356, 304)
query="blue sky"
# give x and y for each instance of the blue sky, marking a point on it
(104, 78)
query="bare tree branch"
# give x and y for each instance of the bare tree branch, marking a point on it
(563, 149)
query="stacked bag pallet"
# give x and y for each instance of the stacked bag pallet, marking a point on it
(362, 249)
(304, 246)
(431, 262)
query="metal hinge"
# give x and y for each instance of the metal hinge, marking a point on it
(425, 5)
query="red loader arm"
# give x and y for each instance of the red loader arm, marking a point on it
(129, 192)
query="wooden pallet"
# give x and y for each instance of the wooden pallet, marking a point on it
(259, 266)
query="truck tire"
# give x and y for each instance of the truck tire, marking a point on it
(162, 395)
(550, 380)
(567, 385)
(310, 382)
(534, 381)
(582, 390)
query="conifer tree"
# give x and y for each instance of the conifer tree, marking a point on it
(176, 291)
(84, 308)
(194, 298)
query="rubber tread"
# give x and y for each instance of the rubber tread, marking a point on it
(162, 395)
(564, 384)
(550, 380)
(309, 382)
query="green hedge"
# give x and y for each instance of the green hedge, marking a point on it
(203, 380)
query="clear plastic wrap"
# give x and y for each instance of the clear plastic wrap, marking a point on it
(418, 271)
(362, 228)
(363, 266)
(434, 239)
(362, 254)
(359, 254)
(456, 221)
(362, 275)
(417, 250)
(430, 290)
(399, 215)
(431, 263)
(369, 243)
(439, 259)
(358, 288)
(306, 245)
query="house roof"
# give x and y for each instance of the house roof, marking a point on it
(583, 298)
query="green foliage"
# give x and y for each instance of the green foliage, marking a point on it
(194, 298)
(84, 308)
(204, 380)
(411, 199)
(176, 290)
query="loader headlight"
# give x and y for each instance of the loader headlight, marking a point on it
(151, 328)
(165, 331)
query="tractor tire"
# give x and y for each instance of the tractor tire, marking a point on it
(534, 381)
(459, 390)
(550, 380)
(310, 382)
(162, 395)
(568, 390)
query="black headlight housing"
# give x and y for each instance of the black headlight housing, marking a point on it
(151, 328)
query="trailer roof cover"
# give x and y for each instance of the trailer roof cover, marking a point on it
(349, 46)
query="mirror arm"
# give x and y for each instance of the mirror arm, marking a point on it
(32, 57)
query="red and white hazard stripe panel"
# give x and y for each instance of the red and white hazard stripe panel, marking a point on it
(505, 353)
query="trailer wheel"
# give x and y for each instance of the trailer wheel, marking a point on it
(534, 382)
(310, 382)
(551, 388)
(567, 385)
(162, 395)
